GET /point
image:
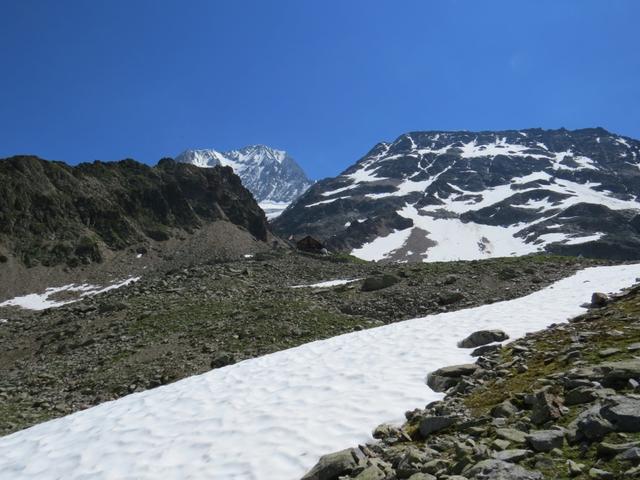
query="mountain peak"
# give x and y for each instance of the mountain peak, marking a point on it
(439, 196)
(271, 175)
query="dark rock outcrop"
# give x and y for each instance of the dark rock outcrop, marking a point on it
(52, 213)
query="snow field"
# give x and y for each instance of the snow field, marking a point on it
(273, 416)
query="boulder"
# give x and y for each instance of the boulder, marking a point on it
(500, 470)
(545, 440)
(617, 374)
(423, 476)
(505, 409)
(599, 299)
(513, 455)
(512, 435)
(631, 455)
(547, 406)
(574, 468)
(378, 282)
(447, 377)
(485, 349)
(483, 337)
(433, 424)
(623, 412)
(590, 424)
(601, 474)
(450, 297)
(411, 462)
(606, 449)
(222, 359)
(586, 394)
(334, 465)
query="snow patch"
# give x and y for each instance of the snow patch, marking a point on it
(381, 247)
(328, 283)
(273, 209)
(42, 301)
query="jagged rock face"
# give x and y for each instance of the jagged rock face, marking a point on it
(52, 213)
(438, 196)
(271, 175)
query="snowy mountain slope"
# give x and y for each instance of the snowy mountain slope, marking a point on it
(273, 416)
(433, 196)
(274, 178)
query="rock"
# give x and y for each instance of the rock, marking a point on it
(500, 470)
(545, 440)
(424, 476)
(450, 297)
(483, 337)
(433, 424)
(223, 359)
(372, 472)
(599, 299)
(585, 394)
(601, 474)
(450, 279)
(634, 347)
(447, 377)
(574, 468)
(616, 374)
(334, 465)
(505, 409)
(606, 449)
(631, 455)
(513, 455)
(623, 412)
(411, 462)
(607, 352)
(546, 407)
(485, 349)
(511, 435)
(499, 444)
(378, 282)
(591, 424)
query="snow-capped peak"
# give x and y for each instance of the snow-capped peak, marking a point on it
(439, 196)
(270, 174)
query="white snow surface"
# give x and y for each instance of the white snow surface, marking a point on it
(328, 283)
(273, 209)
(380, 247)
(42, 301)
(273, 416)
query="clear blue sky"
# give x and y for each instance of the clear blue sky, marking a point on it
(326, 80)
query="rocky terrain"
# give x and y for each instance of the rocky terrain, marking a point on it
(439, 196)
(59, 222)
(187, 320)
(272, 176)
(560, 403)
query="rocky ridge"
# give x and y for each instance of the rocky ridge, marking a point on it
(439, 196)
(88, 216)
(560, 403)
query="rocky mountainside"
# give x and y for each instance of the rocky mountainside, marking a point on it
(55, 214)
(437, 196)
(560, 403)
(271, 175)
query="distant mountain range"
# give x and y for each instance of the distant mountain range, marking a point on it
(274, 178)
(438, 196)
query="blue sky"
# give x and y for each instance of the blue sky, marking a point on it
(325, 80)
